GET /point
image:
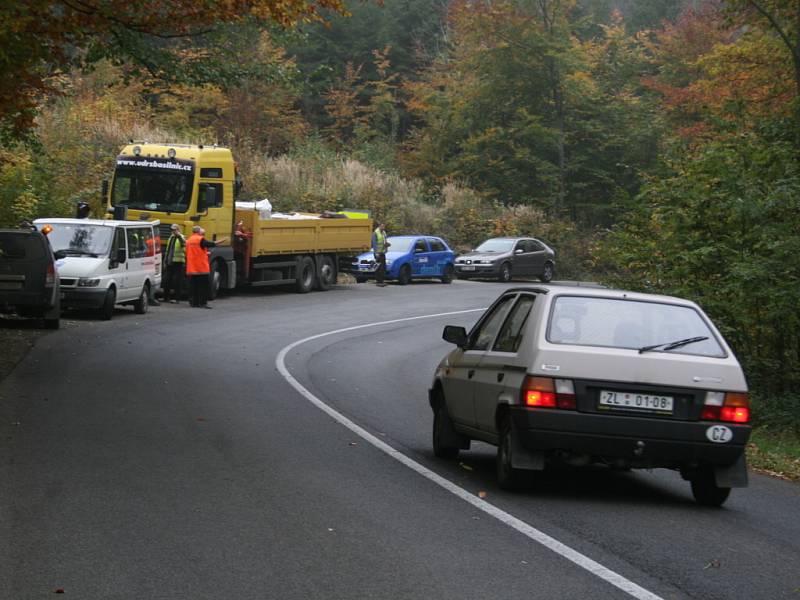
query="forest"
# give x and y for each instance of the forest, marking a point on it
(655, 144)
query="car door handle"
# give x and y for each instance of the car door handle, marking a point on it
(470, 373)
(500, 377)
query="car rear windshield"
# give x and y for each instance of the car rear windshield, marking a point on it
(635, 324)
(84, 239)
(20, 246)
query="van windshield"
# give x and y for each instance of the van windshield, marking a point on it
(84, 239)
(617, 323)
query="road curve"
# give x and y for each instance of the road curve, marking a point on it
(165, 456)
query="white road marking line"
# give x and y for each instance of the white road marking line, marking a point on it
(522, 527)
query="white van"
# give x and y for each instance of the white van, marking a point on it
(103, 263)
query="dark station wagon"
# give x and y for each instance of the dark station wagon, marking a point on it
(29, 284)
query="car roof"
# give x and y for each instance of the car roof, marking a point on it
(103, 222)
(598, 291)
(414, 237)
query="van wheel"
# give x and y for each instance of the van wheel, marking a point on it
(215, 280)
(107, 310)
(327, 273)
(705, 489)
(305, 275)
(140, 305)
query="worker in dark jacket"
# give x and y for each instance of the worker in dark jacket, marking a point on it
(198, 269)
(174, 265)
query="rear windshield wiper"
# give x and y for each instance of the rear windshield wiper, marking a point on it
(666, 346)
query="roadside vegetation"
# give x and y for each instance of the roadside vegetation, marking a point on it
(654, 145)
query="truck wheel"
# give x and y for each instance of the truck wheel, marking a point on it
(215, 280)
(107, 310)
(705, 489)
(140, 306)
(507, 476)
(404, 278)
(305, 275)
(327, 273)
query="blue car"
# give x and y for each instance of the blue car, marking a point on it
(409, 257)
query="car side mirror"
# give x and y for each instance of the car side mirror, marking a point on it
(121, 256)
(455, 335)
(519, 251)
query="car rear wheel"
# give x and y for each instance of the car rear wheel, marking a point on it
(442, 431)
(404, 278)
(706, 491)
(547, 272)
(505, 273)
(107, 310)
(447, 275)
(361, 279)
(508, 477)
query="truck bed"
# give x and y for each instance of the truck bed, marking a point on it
(305, 236)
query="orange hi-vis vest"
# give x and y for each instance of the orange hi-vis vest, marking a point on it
(196, 256)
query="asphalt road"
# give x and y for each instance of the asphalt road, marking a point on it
(247, 452)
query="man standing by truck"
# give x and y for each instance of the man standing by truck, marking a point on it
(379, 247)
(198, 268)
(174, 265)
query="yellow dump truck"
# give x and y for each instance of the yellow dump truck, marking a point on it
(198, 185)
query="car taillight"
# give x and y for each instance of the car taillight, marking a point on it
(731, 407)
(50, 277)
(544, 392)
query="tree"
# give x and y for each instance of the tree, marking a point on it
(781, 18)
(39, 38)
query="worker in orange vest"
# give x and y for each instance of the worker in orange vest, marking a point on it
(198, 269)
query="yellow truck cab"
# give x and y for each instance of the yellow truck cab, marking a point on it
(197, 185)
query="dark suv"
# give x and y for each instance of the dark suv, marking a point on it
(29, 283)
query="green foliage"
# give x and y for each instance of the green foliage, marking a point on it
(525, 112)
(722, 229)
(17, 199)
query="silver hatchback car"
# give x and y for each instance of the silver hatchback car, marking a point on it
(575, 375)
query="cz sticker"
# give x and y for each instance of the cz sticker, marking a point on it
(719, 434)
